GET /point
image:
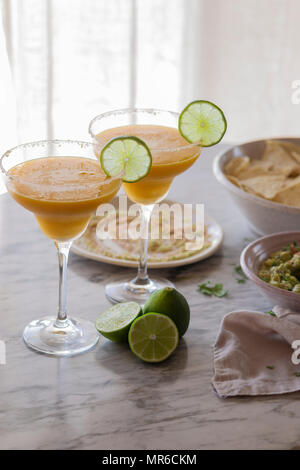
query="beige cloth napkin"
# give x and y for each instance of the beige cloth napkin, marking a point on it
(253, 354)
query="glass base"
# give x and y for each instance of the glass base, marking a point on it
(132, 291)
(67, 338)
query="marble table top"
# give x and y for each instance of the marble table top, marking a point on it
(107, 398)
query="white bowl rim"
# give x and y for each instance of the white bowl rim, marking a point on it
(254, 277)
(220, 176)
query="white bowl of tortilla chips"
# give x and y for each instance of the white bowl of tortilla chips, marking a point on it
(263, 177)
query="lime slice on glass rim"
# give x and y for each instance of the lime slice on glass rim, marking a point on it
(153, 337)
(126, 155)
(114, 323)
(202, 122)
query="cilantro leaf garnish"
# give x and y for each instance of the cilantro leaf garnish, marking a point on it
(217, 290)
(242, 278)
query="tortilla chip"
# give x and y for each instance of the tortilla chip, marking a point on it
(276, 176)
(236, 165)
(266, 186)
(289, 196)
(257, 169)
(292, 149)
(234, 180)
(278, 155)
(291, 182)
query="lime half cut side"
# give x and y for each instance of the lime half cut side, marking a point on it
(126, 155)
(153, 337)
(114, 323)
(202, 122)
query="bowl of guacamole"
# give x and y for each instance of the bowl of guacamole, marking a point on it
(282, 268)
(273, 264)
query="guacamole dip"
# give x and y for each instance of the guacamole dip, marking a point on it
(282, 268)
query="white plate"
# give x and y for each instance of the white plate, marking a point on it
(214, 230)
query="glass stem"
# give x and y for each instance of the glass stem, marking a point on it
(63, 249)
(142, 276)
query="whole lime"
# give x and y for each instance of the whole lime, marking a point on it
(172, 303)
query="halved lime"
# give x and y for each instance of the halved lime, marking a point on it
(128, 155)
(202, 122)
(153, 337)
(114, 323)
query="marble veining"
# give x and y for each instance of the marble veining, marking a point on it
(107, 398)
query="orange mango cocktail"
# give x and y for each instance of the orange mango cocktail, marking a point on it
(61, 182)
(62, 192)
(171, 155)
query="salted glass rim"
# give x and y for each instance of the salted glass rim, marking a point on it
(122, 111)
(45, 142)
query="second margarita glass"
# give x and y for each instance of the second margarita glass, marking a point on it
(171, 155)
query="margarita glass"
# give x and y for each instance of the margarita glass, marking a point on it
(171, 155)
(62, 183)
